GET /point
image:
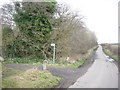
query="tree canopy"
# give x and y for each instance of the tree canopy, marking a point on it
(40, 24)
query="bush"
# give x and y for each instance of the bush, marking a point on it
(23, 60)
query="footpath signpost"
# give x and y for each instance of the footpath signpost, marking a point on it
(53, 44)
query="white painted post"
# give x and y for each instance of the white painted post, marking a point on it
(1, 59)
(53, 52)
(54, 55)
(45, 64)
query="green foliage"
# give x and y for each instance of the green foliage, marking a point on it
(43, 76)
(33, 21)
(111, 50)
(23, 60)
(40, 24)
(109, 53)
(77, 64)
(64, 64)
(7, 38)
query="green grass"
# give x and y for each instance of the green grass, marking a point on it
(75, 65)
(0, 75)
(58, 63)
(6, 72)
(106, 51)
(22, 60)
(31, 78)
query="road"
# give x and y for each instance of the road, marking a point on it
(69, 75)
(102, 74)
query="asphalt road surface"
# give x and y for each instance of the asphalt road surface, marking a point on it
(102, 74)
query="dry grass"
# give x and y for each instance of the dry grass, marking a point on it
(76, 61)
(111, 50)
(31, 78)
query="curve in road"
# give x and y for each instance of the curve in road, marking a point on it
(102, 74)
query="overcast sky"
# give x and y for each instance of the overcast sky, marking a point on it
(100, 16)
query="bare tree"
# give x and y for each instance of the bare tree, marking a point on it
(70, 34)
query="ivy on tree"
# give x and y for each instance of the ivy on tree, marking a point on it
(33, 20)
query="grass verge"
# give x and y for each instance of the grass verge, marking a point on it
(63, 64)
(75, 65)
(78, 63)
(107, 52)
(0, 75)
(31, 78)
(22, 60)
